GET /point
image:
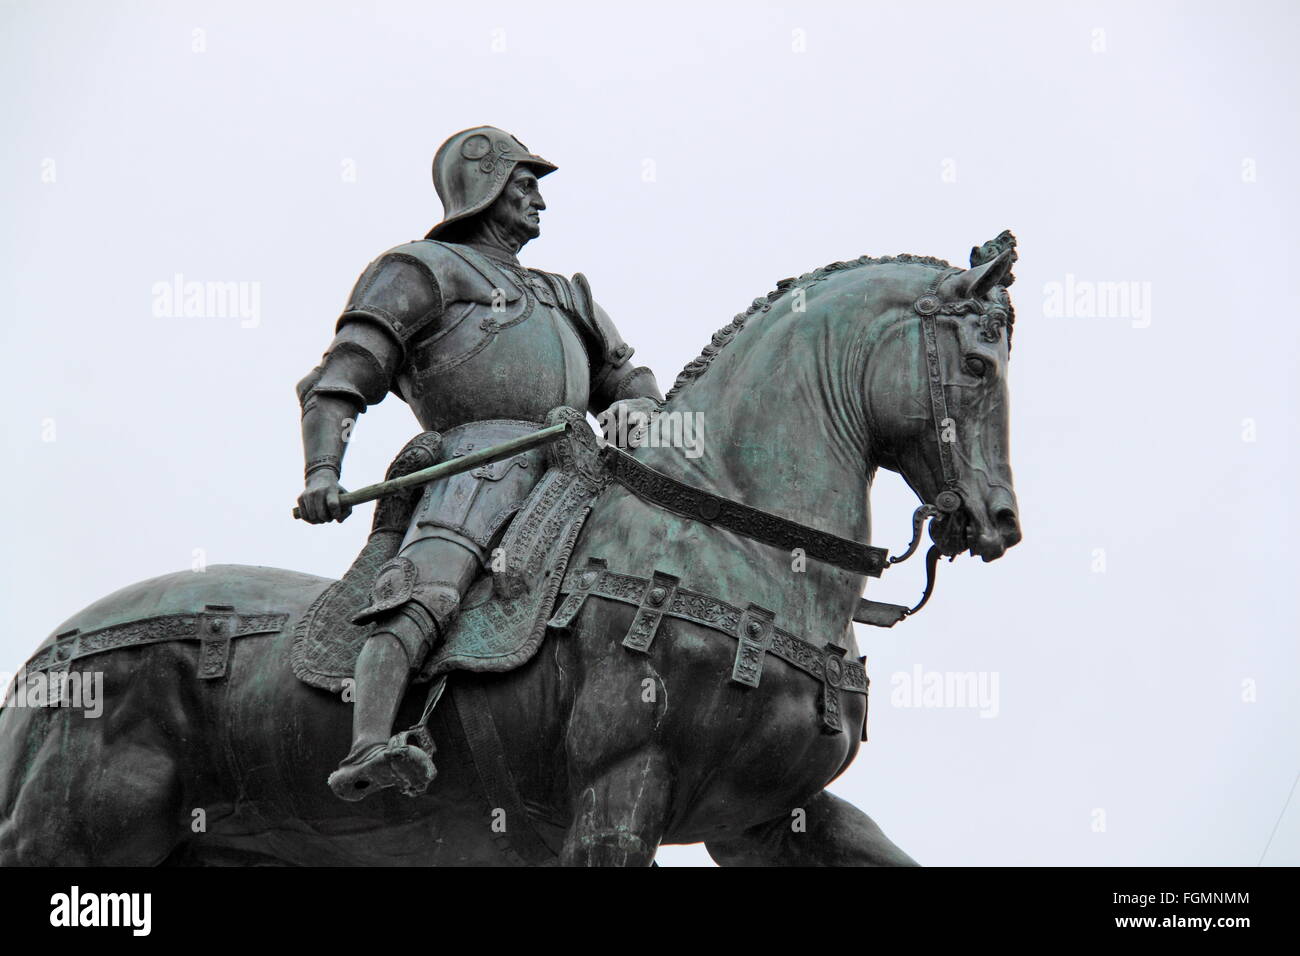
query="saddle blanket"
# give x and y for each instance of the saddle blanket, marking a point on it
(503, 617)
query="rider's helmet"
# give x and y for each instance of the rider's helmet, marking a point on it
(471, 169)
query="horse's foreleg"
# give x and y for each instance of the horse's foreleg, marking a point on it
(620, 815)
(620, 779)
(827, 831)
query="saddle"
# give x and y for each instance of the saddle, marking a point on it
(504, 616)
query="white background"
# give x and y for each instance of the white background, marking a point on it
(702, 157)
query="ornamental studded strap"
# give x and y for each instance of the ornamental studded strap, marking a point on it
(655, 487)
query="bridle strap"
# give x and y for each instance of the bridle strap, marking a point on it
(927, 306)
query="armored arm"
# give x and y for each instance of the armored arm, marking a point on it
(354, 373)
(613, 376)
(395, 298)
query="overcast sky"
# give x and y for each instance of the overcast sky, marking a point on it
(1143, 638)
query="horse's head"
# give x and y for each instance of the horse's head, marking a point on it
(937, 397)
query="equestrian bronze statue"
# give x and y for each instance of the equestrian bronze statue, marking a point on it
(555, 646)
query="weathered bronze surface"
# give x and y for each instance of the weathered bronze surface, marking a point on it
(605, 651)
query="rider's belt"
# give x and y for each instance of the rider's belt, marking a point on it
(214, 628)
(753, 629)
(655, 487)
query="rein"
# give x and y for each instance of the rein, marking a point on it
(656, 488)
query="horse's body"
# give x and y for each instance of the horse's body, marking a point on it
(253, 751)
(613, 751)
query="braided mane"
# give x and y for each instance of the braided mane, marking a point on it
(699, 365)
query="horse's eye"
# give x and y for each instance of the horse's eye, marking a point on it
(977, 366)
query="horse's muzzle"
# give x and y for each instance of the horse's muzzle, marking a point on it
(986, 535)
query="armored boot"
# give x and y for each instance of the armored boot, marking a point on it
(410, 618)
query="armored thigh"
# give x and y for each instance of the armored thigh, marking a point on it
(418, 592)
(473, 508)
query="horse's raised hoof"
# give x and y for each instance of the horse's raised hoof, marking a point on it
(394, 764)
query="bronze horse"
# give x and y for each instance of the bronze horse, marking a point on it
(613, 752)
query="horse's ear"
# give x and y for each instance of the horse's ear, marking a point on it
(975, 283)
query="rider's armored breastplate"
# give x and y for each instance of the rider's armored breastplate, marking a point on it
(516, 356)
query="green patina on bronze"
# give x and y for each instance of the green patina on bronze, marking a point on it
(625, 671)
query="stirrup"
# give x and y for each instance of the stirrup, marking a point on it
(394, 764)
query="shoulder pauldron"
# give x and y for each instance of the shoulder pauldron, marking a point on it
(465, 275)
(614, 351)
(406, 288)
(398, 292)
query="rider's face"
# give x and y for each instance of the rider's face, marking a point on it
(518, 209)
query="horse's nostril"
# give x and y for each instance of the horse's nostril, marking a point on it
(1008, 524)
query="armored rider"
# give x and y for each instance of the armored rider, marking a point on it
(481, 348)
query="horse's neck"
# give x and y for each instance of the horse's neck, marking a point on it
(782, 429)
